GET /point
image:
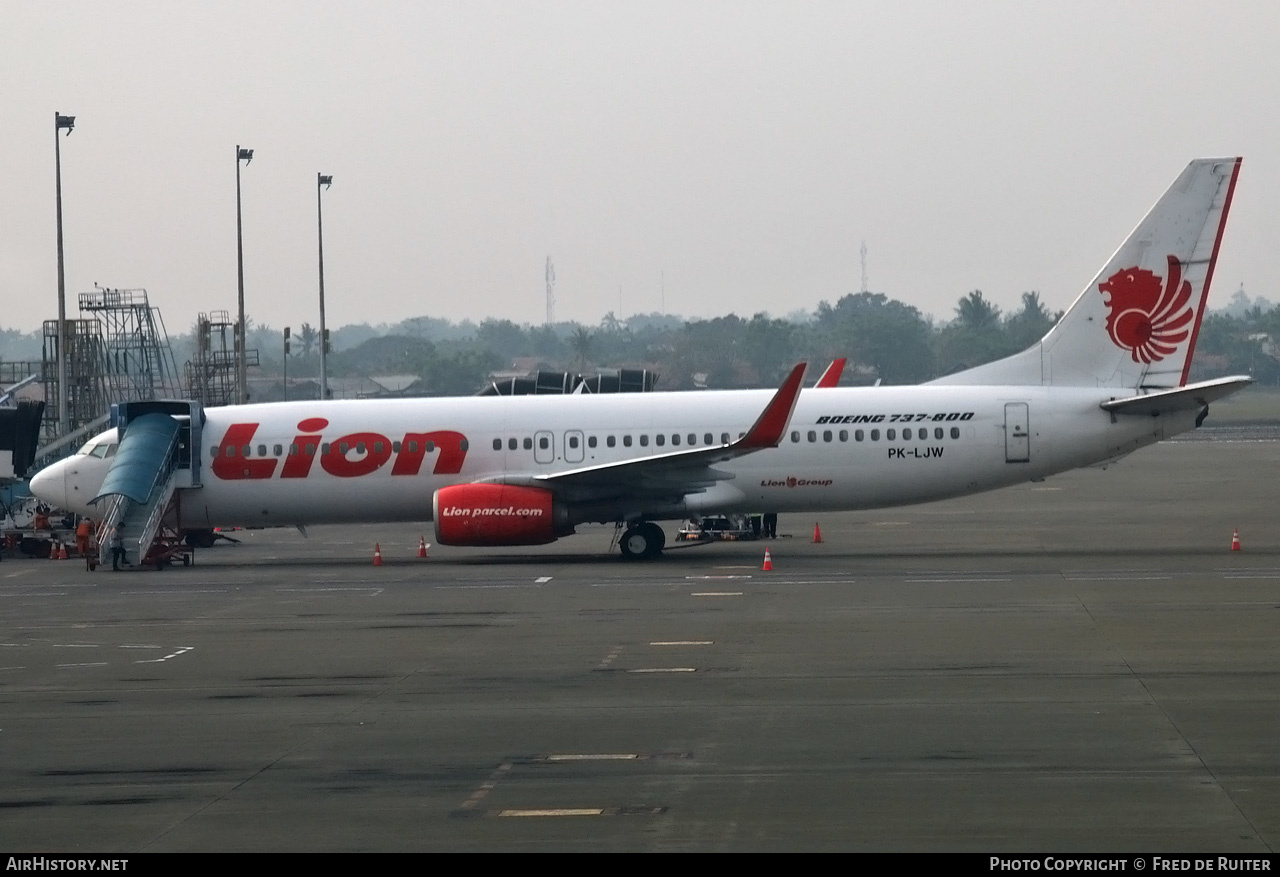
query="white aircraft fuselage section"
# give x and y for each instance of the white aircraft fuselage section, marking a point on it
(844, 449)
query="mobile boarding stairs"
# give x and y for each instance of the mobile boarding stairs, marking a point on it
(158, 453)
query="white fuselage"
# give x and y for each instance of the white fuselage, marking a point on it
(844, 449)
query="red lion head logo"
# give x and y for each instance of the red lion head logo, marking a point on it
(1147, 320)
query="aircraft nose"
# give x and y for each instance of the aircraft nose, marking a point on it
(50, 484)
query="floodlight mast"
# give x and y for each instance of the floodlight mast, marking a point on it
(61, 123)
(242, 371)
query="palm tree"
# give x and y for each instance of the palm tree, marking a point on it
(307, 336)
(580, 342)
(975, 312)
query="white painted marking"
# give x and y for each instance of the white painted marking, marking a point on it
(716, 594)
(629, 756)
(917, 581)
(631, 585)
(480, 587)
(21, 572)
(559, 812)
(2, 669)
(684, 642)
(1116, 578)
(181, 651)
(705, 578)
(540, 579)
(141, 647)
(1247, 576)
(183, 592)
(67, 666)
(665, 670)
(372, 592)
(75, 645)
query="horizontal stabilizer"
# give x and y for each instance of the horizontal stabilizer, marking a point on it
(1188, 398)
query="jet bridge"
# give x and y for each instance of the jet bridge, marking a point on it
(158, 454)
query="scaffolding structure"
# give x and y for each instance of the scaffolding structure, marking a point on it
(86, 389)
(117, 351)
(210, 377)
(138, 362)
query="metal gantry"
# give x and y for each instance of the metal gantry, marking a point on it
(212, 375)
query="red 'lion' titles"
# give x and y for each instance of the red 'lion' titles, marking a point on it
(349, 456)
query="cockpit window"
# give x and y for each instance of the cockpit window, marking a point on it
(100, 446)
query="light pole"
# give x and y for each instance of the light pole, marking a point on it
(61, 122)
(242, 373)
(285, 361)
(323, 181)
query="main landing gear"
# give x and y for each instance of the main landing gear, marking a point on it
(642, 541)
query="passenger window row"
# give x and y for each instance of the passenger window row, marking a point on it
(309, 449)
(626, 440)
(920, 434)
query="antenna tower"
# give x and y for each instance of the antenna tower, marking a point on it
(864, 266)
(551, 292)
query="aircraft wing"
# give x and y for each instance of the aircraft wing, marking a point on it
(669, 476)
(1188, 398)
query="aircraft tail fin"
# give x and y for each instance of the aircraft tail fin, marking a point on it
(1135, 325)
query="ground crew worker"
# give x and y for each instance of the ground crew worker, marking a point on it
(117, 548)
(83, 530)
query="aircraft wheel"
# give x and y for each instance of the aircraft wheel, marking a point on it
(642, 542)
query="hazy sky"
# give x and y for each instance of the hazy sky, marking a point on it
(736, 153)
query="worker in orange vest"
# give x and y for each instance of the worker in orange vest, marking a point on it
(83, 530)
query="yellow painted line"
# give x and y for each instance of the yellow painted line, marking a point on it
(716, 594)
(664, 670)
(595, 811)
(685, 642)
(627, 756)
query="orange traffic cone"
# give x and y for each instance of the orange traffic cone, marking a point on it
(62, 551)
(53, 550)
(817, 534)
(768, 561)
(1235, 540)
(377, 554)
(422, 546)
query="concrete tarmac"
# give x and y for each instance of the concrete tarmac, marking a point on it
(1078, 665)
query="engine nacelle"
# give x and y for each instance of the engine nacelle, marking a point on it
(497, 514)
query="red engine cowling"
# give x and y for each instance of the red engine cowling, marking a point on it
(494, 514)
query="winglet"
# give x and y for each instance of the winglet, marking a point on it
(771, 425)
(831, 377)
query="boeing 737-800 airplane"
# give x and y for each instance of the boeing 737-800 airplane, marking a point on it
(1109, 378)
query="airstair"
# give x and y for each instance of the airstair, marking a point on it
(158, 454)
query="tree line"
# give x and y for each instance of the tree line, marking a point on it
(885, 340)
